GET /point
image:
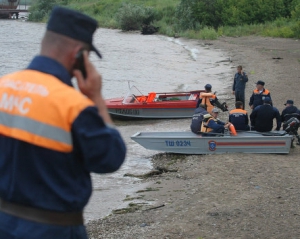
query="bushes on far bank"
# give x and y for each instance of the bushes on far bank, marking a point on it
(132, 17)
(198, 19)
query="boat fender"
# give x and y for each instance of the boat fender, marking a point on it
(232, 129)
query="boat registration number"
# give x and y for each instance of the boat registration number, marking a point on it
(179, 143)
(128, 111)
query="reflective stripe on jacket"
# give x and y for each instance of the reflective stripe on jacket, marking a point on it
(28, 103)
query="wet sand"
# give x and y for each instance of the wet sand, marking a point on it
(230, 195)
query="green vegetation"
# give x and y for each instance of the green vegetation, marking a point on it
(25, 2)
(132, 17)
(199, 19)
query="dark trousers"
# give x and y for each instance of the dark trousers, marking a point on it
(240, 96)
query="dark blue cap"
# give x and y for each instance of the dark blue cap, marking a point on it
(289, 102)
(267, 100)
(207, 86)
(260, 82)
(73, 24)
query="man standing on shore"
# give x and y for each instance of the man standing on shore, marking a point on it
(259, 94)
(239, 84)
(52, 136)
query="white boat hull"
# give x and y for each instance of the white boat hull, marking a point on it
(189, 143)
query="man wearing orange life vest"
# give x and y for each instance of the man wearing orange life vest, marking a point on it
(258, 95)
(211, 125)
(210, 100)
(52, 136)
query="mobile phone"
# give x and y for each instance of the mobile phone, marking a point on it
(79, 64)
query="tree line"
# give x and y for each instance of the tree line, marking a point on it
(215, 13)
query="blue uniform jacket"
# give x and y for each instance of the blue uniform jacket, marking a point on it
(47, 179)
(239, 118)
(217, 126)
(239, 82)
(257, 98)
(197, 120)
(262, 118)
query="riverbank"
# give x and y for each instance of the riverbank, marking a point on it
(230, 195)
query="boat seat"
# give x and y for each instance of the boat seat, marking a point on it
(151, 97)
(142, 99)
(193, 97)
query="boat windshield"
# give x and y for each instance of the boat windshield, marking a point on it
(132, 95)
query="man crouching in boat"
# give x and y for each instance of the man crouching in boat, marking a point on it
(211, 125)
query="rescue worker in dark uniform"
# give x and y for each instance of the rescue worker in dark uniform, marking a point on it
(289, 111)
(53, 136)
(239, 84)
(239, 117)
(211, 125)
(262, 117)
(198, 118)
(258, 95)
(210, 100)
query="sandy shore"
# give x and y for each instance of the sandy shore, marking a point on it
(230, 195)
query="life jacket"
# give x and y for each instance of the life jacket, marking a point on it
(204, 126)
(206, 100)
(39, 109)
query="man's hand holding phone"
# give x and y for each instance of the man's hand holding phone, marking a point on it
(91, 86)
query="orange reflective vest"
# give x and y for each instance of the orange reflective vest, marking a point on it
(206, 100)
(39, 109)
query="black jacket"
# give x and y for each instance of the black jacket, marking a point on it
(262, 118)
(289, 112)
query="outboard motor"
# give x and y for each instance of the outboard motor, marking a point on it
(291, 127)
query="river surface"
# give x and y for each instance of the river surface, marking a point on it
(151, 63)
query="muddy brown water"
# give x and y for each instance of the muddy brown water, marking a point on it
(151, 63)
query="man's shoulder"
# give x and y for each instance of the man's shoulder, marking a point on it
(259, 107)
(266, 91)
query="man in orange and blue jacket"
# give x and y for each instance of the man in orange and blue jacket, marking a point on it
(259, 94)
(239, 117)
(52, 136)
